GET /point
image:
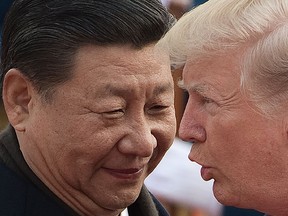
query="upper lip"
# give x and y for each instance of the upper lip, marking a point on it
(129, 169)
(193, 160)
(124, 171)
(201, 164)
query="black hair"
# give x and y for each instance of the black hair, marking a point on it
(41, 37)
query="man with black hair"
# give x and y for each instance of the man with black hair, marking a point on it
(89, 98)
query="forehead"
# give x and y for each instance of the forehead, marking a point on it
(120, 56)
(118, 68)
(219, 71)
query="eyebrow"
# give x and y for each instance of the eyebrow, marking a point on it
(163, 88)
(156, 91)
(195, 87)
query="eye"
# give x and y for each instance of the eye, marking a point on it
(207, 100)
(117, 113)
(210, 105)
(200, 99)
(155, 109)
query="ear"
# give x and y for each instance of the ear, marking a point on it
(16, 98)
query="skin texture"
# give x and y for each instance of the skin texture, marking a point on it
(242, 150)
(103, 132)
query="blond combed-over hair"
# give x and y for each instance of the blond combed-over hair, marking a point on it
(259, 27)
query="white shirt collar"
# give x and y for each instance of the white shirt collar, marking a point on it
(124, 212)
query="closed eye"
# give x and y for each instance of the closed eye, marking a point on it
(117, 113)
(157, 109)
(207, 100)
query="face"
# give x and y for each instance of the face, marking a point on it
(242, 150)
(105, 130)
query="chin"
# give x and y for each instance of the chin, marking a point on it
(123, 201)
(225, 196)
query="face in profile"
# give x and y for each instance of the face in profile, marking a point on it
(238, 147)
(106, 129)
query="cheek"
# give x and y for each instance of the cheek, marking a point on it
(165, 135)
(247, 145)
(84, 156)
(87, 144)
(76, 142)
(231, 145)
(168, 131)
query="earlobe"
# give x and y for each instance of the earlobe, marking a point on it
(16, 98)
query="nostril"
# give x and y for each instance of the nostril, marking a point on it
(193, 142)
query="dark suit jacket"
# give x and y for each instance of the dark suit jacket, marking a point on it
(233, 211)
(23, 194)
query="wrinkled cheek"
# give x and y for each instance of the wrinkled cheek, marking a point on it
(154, 160)
(171, 133)
(160, 150)
(76, 168)
(166, 143)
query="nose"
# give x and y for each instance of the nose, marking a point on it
(191, 126)
(139, 140)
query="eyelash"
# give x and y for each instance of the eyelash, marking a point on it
(207, 100)
(203, 99)
(158, 108)
(117, 113)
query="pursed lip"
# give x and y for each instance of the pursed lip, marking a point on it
(129, 173)
(205, 170)
(206, 173)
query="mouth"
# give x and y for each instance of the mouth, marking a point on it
(206, 173)
(126, 174)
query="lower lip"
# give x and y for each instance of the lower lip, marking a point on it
(125, 175)
(205, 173)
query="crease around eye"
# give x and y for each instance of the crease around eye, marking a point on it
(207, 100)
(158, 109)
(117, 113)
